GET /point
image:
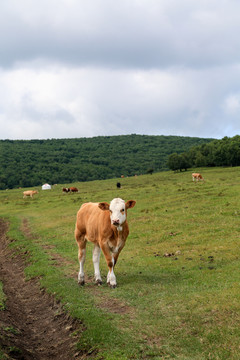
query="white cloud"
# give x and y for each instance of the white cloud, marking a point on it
(232, 104)
(133, 34)
(70, 102)
(72, 68)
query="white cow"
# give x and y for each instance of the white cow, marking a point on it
(29, 193)
(197, 177)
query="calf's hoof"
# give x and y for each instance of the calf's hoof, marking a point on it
(112, 286)
(98, 282)
(81, 282)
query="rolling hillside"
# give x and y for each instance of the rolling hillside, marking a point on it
(178, 277)
(25, 163)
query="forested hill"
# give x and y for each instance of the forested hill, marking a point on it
(224, 152)
(25, 163)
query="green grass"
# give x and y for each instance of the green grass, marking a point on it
(2, 307)
(184, 306)
(2, 297)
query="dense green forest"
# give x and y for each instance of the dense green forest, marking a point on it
(224, 152)
(25, 163)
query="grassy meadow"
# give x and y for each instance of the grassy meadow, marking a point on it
(184, 305)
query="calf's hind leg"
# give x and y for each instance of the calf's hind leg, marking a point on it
(81, 241)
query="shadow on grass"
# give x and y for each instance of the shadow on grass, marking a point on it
(146, 278)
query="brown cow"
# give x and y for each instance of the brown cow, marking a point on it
(29, 193)
(197, 177)
(73, 189)
(106, 226)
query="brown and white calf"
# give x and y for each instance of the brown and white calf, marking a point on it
(29, 193)
(106, 226)
(197, 177)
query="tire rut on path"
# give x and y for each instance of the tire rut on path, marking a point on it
(33, 326)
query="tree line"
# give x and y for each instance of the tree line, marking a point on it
(27, 163)
(224, 152)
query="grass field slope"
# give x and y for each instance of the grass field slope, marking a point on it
(178, 290)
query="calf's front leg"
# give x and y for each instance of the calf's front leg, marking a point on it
(111, 278)
(96, 260)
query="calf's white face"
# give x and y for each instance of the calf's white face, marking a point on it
(117, 210)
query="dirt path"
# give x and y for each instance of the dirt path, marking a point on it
(33, 326)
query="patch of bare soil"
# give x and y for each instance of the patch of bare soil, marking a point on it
(33, 326)
(114, 306)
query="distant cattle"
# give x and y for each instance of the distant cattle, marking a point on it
(73, 189)
(65, 190)
(106, 226)
(29, 193)
(197, 177)
(118, 185)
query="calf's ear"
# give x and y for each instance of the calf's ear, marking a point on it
(130, 204)
(103, 206)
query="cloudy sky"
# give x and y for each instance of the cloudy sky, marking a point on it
(83, 68)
